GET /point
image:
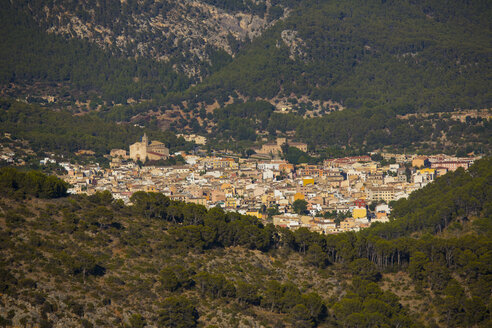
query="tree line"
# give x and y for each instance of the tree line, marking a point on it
(37, 184)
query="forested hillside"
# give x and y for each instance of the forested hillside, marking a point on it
(30, 55)
(195, 36)
(373, 62)
(359, 130)
(413, 55)
(65, 134)
(92, 261)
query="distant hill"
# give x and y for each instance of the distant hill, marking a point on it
(75, 69)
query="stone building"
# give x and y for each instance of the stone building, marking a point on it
(144, 150)
(276, 148)
(118, 153)
(381, 193)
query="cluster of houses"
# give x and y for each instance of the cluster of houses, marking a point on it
(7, 155)
(13, 151)
(342, 188)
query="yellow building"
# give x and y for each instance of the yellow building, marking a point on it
(427, 171)
(228, 188)
(347, 224)
(359, 212)
(256, 214)
(231, 202)
(299, 195)
(150, 189)
(307, 181)
(216, 163)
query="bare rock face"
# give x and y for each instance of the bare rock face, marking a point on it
(187, 31)
(294, 43)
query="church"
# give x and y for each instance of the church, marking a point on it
(152, 151)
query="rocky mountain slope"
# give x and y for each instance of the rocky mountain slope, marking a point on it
(416, 55)
(187, 33)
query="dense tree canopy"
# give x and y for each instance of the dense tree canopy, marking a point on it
(29, 55)
(32, 183)
(403, 53)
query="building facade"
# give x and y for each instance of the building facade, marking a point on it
(144, 150)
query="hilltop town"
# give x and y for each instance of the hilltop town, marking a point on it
(342, 194)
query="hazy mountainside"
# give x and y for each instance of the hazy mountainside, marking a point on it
(190, 34)
(91, 261)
